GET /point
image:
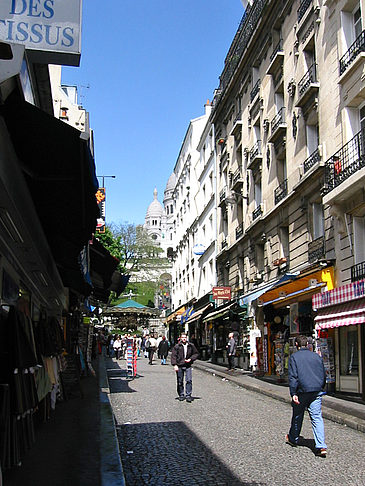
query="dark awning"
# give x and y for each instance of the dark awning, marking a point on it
(102, 268)
(60, 173)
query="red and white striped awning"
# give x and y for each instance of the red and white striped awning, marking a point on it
(348, 314)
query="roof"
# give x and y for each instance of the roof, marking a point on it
(130, 303)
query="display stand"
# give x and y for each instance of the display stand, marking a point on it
(131, 359)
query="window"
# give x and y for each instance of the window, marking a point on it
(349, 350)
(318, 220)
(351, 27)
(284, 241)
(359, 239)
(260, 258)
(257, 189)
(312, 134)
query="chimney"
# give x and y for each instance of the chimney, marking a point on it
(208, 107)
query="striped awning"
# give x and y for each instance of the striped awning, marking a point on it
(349, 314)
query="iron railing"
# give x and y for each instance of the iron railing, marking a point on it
(239, 231)
(222, 195)
(358, 272)
(309, 78)
(311, 160)
(352, 53)
(224, 243)
(236, 177)
(281, 191)
(303, 8)
(345, 162)
(255, 90)
(277, 48)
(256, 150)
(278, 119)
(257, 212)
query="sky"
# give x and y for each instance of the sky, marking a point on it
(147, 68)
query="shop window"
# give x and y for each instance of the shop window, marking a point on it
(349, 351)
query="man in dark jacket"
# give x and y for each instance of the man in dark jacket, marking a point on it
(182, 357)
(307, 379)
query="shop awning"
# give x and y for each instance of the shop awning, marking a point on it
(175, 315)
(102, 268)
(218, 313)
(197, 314)
(59, 170)
(298, 284)
(348, 314)
(246, 299)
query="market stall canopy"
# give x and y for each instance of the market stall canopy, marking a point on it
(349, 314)
(60, 173)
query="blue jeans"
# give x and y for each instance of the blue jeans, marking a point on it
(188, 372)
(313, 402)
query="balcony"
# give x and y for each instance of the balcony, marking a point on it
(222, 196)
(344, 163)
(276, 58)
(358, 272)
(239, 231)
(255, 90)
(316, 250)
(257, 212)
(311, 161)
(224, 243)
(236, 130)
(237, 179)
(304, 5)
(308, 86)
(354, 52)
(255, 155)
(278, 126)
(281, 191)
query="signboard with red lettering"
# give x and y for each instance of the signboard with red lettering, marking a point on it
(100, 198)
(222, 293)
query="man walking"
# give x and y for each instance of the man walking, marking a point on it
(182, 357)
(307, 379)
(152, 348)
(231, 351)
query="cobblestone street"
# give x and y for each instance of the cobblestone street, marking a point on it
(227, 436)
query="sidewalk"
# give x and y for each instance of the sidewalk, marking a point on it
(78, 445)
(338, 410)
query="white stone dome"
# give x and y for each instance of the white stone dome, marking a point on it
(155, 209)
(170, 186)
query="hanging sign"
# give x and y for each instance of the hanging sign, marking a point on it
(222, 293)
(51, 29)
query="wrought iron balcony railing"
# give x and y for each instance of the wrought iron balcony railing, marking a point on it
(309, 78)
(256, 150)
(278, 119)
(236, 177)
(281, 191)
(358, 272)
(255, 90)
(222, 195)
(277, 48)
(257, 212)
(239, 231)
(224, 243)
(352, 53)
(303, 8)
(345, 162)
(311, 160)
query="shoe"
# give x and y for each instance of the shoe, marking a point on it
(181, 399)
(321, 452)
(189, 399)
(288, 441)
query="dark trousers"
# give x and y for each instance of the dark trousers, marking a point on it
(230, 362)
(188, 372)
(151, 352)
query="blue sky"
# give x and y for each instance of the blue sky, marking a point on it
(150, 66)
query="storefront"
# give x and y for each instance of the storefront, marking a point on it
(340, 320)
(173, 323)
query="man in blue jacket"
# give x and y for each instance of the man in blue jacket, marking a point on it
(307, 379)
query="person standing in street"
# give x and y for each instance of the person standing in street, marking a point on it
(117, 346)
(152, 348)
(163, 350)
(183, 356)
(307, 379)
(231, 351)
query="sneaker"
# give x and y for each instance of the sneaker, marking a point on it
(181, 399)
(189, 399)
(321, 452)
(288, 441)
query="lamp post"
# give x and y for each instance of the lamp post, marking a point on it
(100, 196)
(104, 177)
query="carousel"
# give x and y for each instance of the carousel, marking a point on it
(129, 316)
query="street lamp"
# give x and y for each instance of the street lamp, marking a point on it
(104, 177)
(233, 197)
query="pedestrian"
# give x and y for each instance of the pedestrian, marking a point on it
(182, 357)
(163, 350)
(231, 350)
(307, 379)
(117, 346)
(151, 348)
(109, 345)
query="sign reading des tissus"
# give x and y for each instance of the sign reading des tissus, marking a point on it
(50, 28)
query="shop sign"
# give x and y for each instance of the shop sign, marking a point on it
(50, 28)
(339, 295)
(222, 293)
(100, 199)
(199, 249)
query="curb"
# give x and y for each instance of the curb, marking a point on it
(328, 412)
(111, 469)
